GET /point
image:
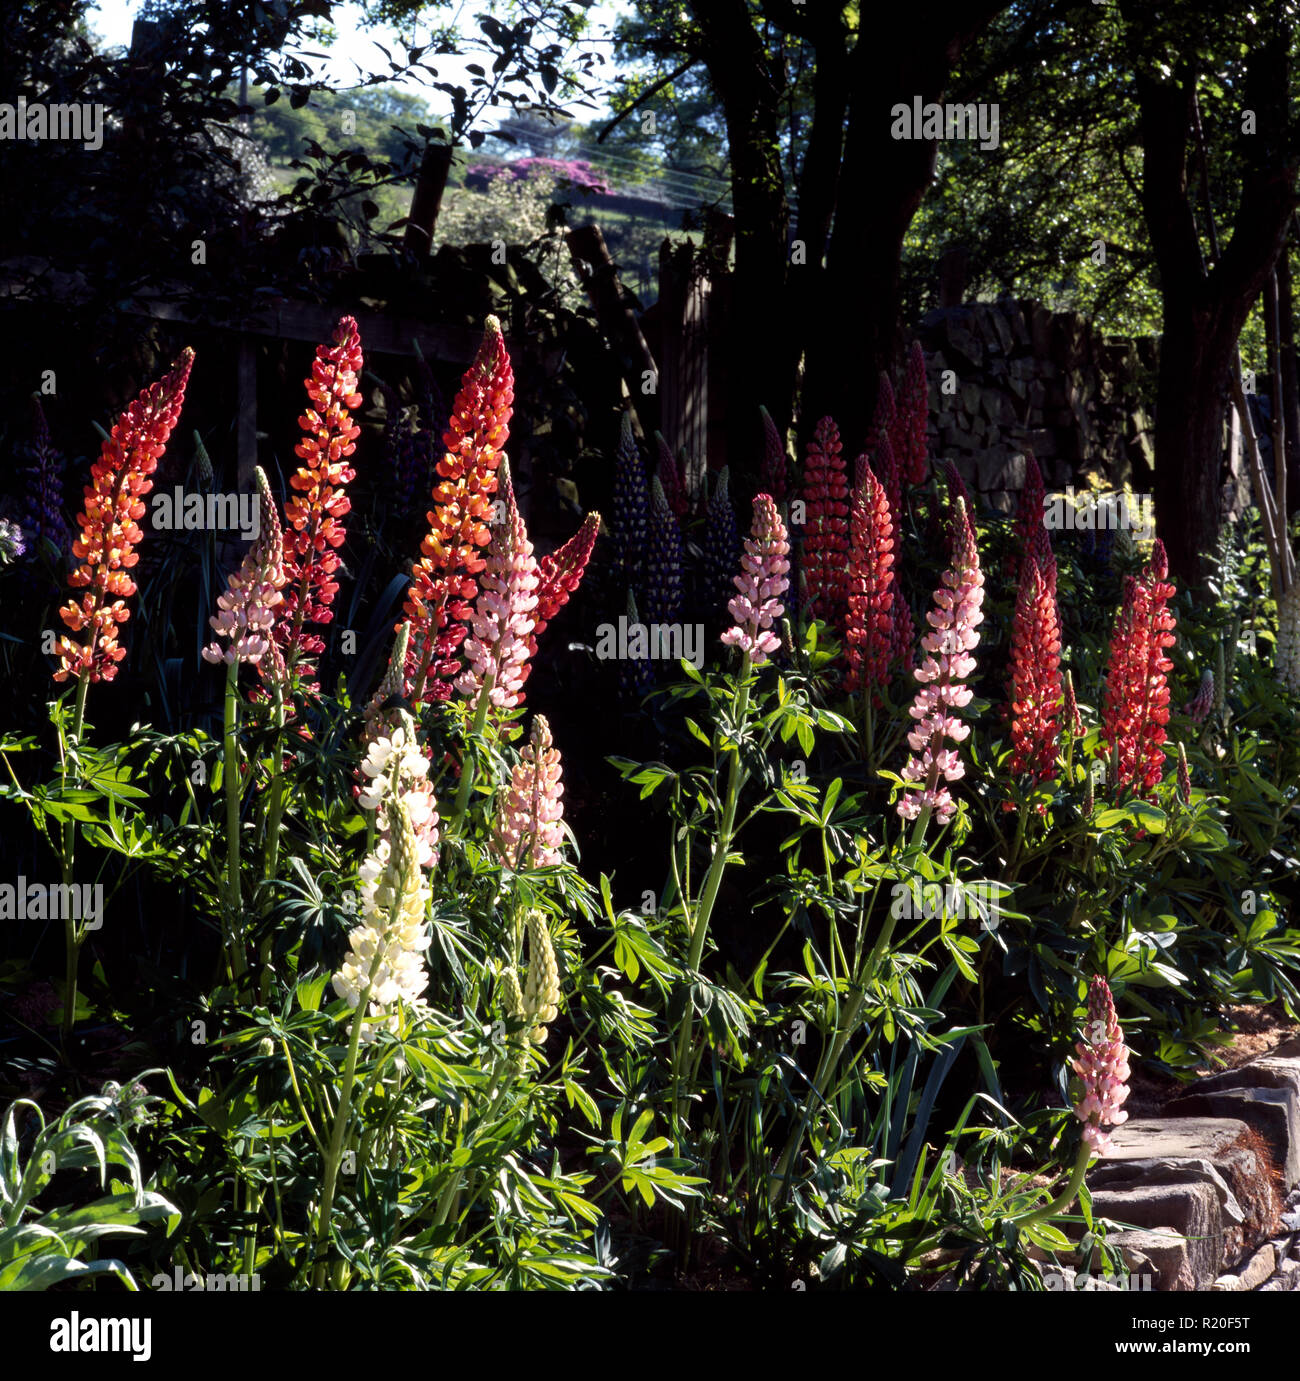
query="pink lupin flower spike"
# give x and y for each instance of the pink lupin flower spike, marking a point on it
(530, 829)
(505, 613)
(943, 674)
(761, 583)
(1103, 1067)
(247, 610)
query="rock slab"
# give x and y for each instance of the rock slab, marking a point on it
(1183, 1234)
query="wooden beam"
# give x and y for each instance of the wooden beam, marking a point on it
(382, 333)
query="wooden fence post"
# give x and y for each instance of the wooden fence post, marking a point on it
(613, 307)
(426, 200)
(684, 297)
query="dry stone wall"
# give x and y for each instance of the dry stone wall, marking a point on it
(1010, 376)
(1212, 1186)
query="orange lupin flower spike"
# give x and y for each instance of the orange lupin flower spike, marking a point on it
(443, 581)
(110, 526)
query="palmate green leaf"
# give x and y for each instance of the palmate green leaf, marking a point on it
(1148, 817)
(955, 945)
(698, 733)
(1210, 834)
(310, 991)
(625, 957)
(579, 1097)
(639, 1129)
(1139, 813)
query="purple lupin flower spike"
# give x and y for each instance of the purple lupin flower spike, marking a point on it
(40, 510)
(721, 547)
(663, 570)
(630, 522)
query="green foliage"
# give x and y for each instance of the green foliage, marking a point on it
(821, 1045)
(53, 1245)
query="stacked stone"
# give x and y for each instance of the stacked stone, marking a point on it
(1030, 379)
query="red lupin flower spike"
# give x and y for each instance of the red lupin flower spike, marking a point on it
(1137, 689)
(1073, 720)
(1031, 530)
(871, 586)
(885, 422)
(826, 530)
(1036, 694)
(110, 527)
(560, 573)
(1184, 777)
(888, 463)
(672, 477)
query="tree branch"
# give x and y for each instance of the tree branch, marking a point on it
(646, 95)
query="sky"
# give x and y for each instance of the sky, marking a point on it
(112, 20)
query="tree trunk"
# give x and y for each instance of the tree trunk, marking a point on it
(819, 182)
(1204, 310)
(882, 182)
(750, 96)
(1196, 359)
